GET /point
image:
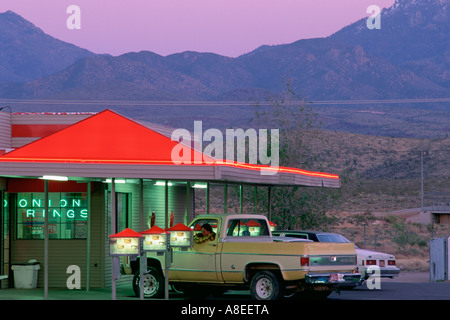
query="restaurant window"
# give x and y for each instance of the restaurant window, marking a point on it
(67, 215)
(122, 201)
(123, 211)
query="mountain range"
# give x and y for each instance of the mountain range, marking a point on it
(408, 58)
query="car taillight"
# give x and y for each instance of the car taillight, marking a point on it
(371, 262)
(391, 262)
(304, 261)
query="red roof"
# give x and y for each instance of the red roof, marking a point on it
(110, 138)
(127, 233)
(154, 230)
(253, 223)
(106, 137)
(179, 227)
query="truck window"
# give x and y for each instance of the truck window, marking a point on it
(332, 238)
(197, 225)
(247, 228)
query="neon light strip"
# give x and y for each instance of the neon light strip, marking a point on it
(169, 162)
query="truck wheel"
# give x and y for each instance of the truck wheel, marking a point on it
(153, 283)
(265, 286)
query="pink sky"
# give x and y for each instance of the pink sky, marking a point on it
(227, 27)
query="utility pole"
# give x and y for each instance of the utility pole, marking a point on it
(421, 177)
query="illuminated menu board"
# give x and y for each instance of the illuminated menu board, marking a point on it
(125, 243)
(155, 239)
(180, 236)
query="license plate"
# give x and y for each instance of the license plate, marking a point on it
(382, 263)
(336, 277)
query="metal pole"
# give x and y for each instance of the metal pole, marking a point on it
(225, 199)
(113, 231)
(207, 198)
(188, 202)
(421, 178)
(141, 204)
(88, 240)
(269, 201)
(46, 240)
(255, 200)
(240, 198)
(166, 260)
(143, 257)
(364, 231)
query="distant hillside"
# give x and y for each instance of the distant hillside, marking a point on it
(317, 69)
(27, 53)
(383, 173)
(414, 35)
(407, 58)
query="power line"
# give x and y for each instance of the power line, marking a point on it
(218, 103)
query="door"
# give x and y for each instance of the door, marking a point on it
(438, 259)
(122, 218)
(199, 262)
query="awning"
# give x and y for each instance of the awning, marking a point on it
(108, 145)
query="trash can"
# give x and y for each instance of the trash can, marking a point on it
(25, 275)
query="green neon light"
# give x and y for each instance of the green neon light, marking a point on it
(63, 203)
(68, 208)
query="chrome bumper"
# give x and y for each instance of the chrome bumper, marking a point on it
(338, 278)
(383, 273)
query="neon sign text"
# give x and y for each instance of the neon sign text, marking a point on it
(59, 206)
(63, 203)
(54, 213)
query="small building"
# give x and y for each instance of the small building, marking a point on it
(440, 213)
(68, 181)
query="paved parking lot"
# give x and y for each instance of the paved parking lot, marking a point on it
(408, 286)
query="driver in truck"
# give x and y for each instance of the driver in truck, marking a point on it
(207, 234)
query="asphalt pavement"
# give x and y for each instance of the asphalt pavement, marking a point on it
(407, 286)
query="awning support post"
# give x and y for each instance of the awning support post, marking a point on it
(88, 240)
(143, 258)
(115, 260)
(269, 205)
(225, 199)
(187, 217)
(241, 191)
(207, 198)
(46, 240)
(166, 260)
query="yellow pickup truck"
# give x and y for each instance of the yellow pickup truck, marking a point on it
(244, 255)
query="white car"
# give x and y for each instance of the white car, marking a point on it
(365, 258)
(386, 262)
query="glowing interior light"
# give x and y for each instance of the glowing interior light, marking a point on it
(116, 181)
(162, 183)
(200, 186)
(57, 178)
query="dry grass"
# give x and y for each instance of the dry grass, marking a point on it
(378, 232)
(413, 264)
